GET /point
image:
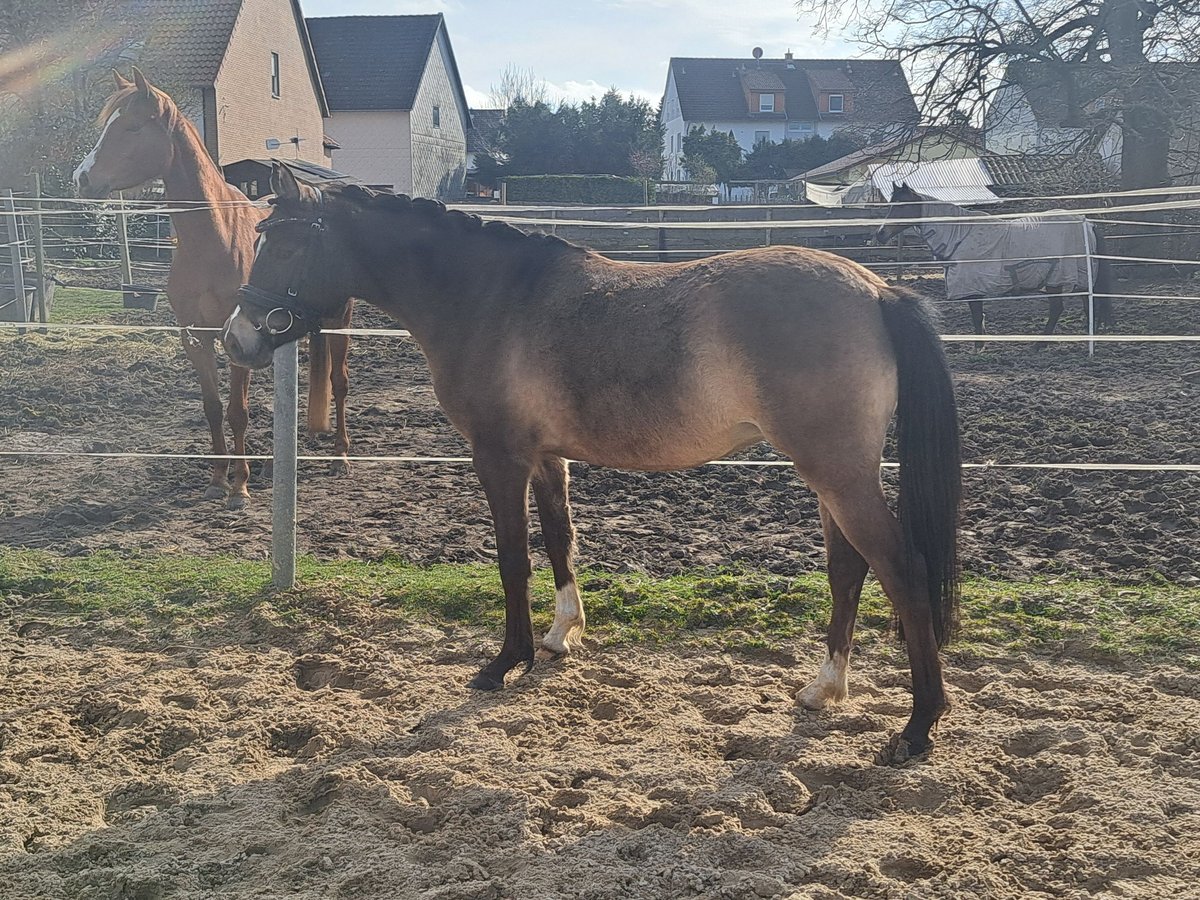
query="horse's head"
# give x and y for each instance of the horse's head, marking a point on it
(299, 276)
(135, 145)
(905, 204)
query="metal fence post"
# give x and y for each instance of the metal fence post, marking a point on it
(283, 497)
(39, 250)
(19, 311)
(123, 237)
(1091, 286)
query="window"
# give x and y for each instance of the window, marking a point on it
(275, 75)
(837, 103)
(761, 137)
(766, 103)
(437, 117)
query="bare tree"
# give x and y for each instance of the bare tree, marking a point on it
(959, 50)
(517, 83)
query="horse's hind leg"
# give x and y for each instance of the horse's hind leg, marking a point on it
(199, 351)
(977, 320)
(505, 481)
(847, 570)
(550, 481)
(1056, 311)
(238, 414)
(863, 516)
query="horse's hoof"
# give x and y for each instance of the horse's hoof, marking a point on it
(339, 468)
(901, 751)
(485, 681)
(237, 501)
(214, 492)
(545, 654)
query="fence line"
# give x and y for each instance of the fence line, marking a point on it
(466, 460)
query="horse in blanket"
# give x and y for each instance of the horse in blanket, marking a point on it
(1035, 254)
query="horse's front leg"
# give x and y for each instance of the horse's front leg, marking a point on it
(199, 351)
(505, 479)
(977, 321)
(238, 415)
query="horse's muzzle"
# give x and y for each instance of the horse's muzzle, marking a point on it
(245, 344)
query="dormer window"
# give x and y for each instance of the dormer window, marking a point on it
(766, 103)
(837, 103)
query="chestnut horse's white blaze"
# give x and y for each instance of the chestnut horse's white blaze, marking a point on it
(90, 160)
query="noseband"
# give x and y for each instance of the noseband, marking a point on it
(289, 305)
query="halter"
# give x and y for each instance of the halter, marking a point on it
(288, 304)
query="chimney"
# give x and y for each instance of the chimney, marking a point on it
(788, 55)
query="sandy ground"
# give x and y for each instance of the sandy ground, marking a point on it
(353, 763)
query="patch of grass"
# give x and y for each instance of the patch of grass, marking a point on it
(1093, 619)
(80, 305)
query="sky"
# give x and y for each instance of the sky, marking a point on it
(580, 48)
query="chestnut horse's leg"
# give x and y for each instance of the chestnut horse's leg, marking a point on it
(505, 480)
(847, 570)
(199, 350)
(238, 414)
(550, 481)
(862, 514)
(339, 373)
(977, 320)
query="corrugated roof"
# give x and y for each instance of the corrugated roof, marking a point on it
(891, 145)
(710, 90)
(960, 181)
(373, 62)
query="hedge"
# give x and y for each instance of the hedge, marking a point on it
(593, 189)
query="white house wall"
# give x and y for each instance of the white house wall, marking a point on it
(375, 147)
(439, 154)
(674, 130)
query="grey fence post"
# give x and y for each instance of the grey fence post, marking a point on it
(283, 497)
(1091, 286)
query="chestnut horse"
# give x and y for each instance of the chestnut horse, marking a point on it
(145, 137)
(542, 351)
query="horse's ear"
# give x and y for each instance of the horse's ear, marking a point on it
(121, 81)
(284, 183)
(143, 85)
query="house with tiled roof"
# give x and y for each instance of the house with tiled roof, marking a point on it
(760, 99)
(1075, 108)
(398, 110)
(243, 70)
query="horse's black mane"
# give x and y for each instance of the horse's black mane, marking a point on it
(385, 201)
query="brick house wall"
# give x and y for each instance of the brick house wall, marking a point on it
(246, 114)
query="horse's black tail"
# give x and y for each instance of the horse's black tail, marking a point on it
(1102, 287)
(928, 448)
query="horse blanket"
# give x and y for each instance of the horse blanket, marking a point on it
(1010, 256)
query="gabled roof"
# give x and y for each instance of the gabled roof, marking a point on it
(1063, 95)
(183, 42)
(485, 123)
(711, 90)
(375, 62)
